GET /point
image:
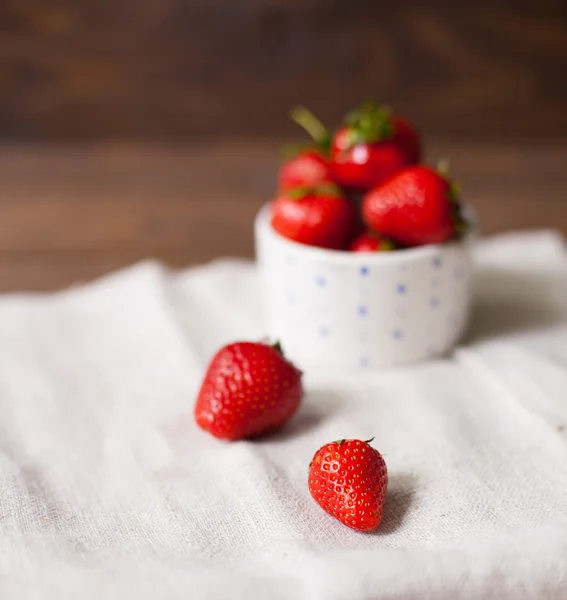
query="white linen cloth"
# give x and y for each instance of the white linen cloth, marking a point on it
(109, 490)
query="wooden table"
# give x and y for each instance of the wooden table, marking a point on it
(70, 213)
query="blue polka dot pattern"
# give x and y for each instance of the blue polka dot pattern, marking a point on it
(366, 312)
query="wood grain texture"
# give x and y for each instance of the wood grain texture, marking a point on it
(71, 213)
(176, 69)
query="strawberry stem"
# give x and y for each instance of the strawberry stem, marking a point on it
(370, 440)
(306, 119)
(278, 347)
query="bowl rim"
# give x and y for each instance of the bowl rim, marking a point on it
(263, 227)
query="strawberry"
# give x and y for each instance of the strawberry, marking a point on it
(370, 241)
(348, 479)
(416, 206)
(309, 166)
(320, 216)
(249, 388)
(372, 146)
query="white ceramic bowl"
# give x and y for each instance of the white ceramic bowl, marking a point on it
(350, 311)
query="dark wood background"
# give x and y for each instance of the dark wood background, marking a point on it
(150, 128)
(177, 69)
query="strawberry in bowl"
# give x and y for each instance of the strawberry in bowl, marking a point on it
(371, 146)
(371, 241)
(317, 216)
(308, 166)
(416, 206)
(367, 264)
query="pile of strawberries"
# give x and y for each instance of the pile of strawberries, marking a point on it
(251, 389)
(363, 188)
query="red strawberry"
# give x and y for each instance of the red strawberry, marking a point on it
(249, 389)
(348, 479)
(370, 241)
(308, 169)
(414, 207)
(310, 166)
(319, 216)
(372, 146)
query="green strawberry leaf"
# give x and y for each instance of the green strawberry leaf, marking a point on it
(369, 123)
